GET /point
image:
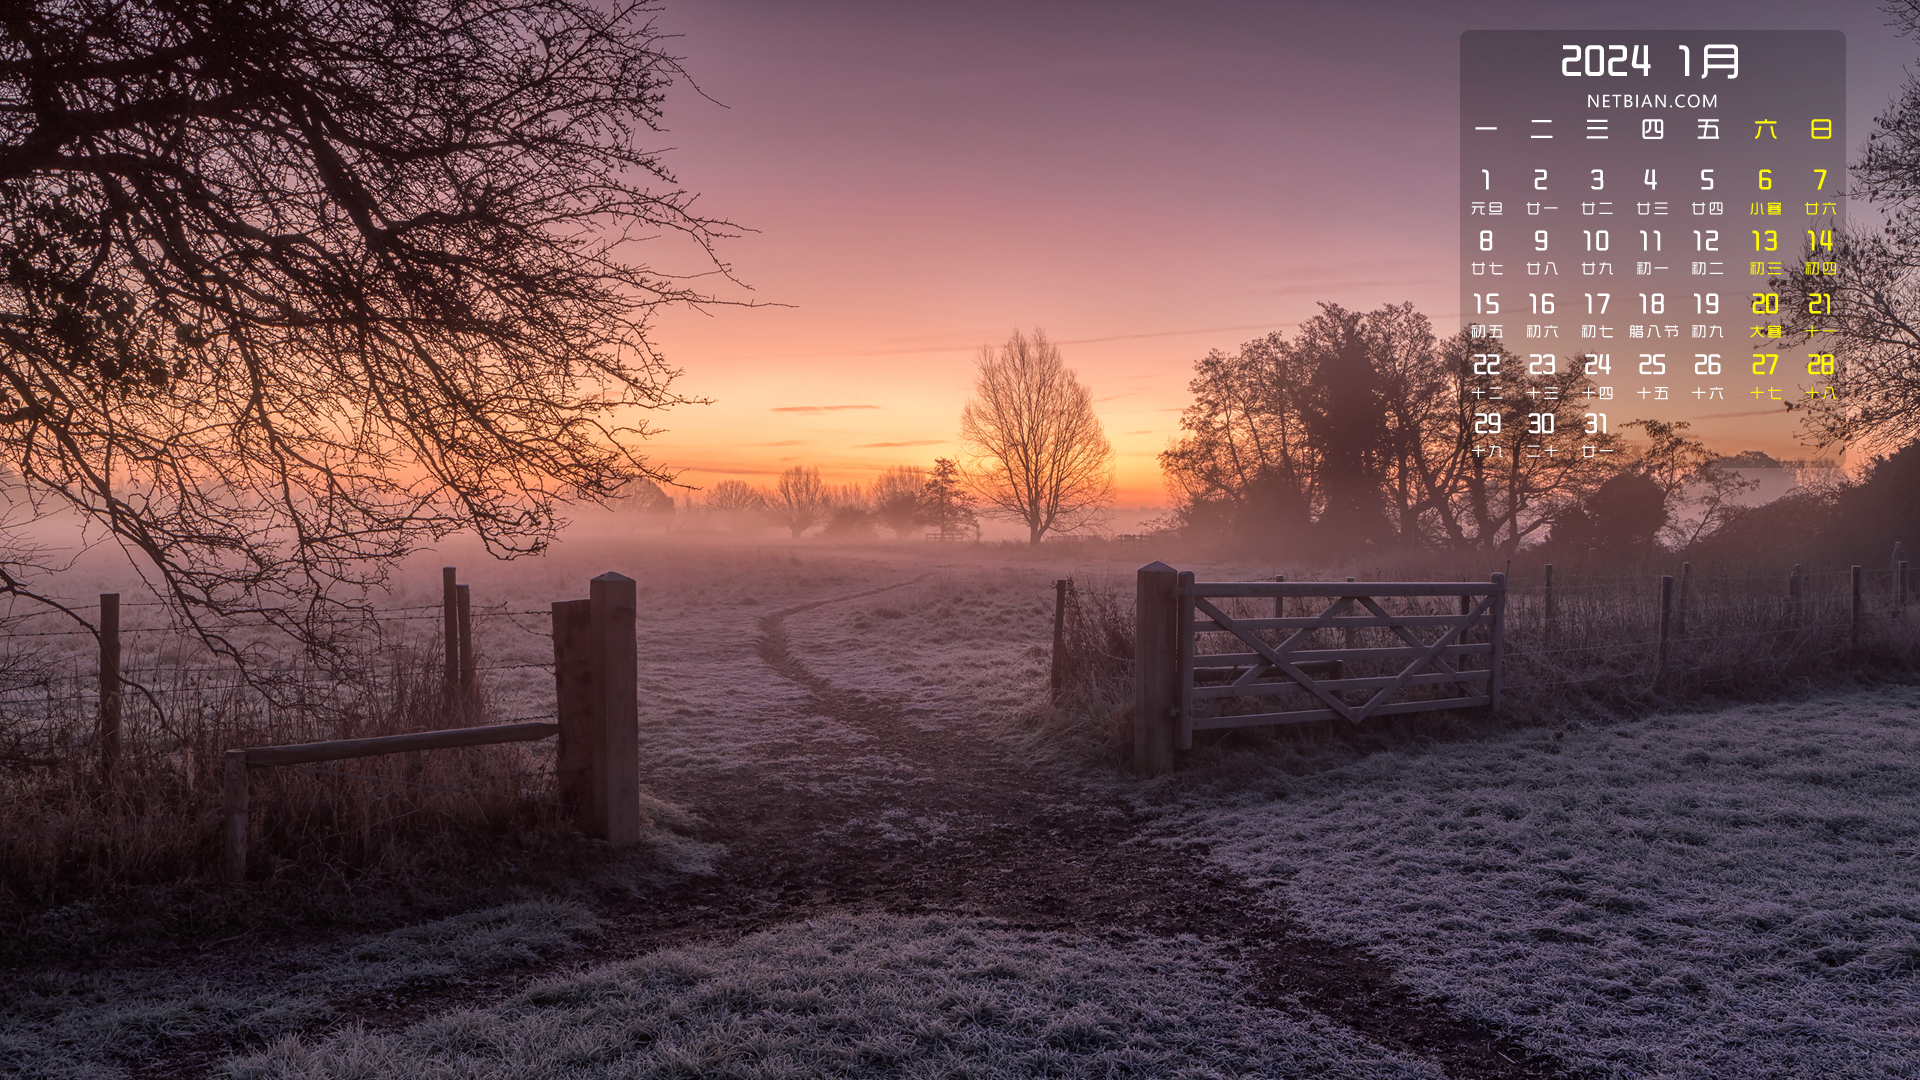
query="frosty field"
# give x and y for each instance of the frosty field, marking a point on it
(866, 863)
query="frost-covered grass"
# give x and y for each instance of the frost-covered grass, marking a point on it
(64, 1026)
(1732, 894)
(873, 996)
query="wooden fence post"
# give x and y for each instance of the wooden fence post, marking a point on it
(573, 707)
(1057, 671)
(233, 797)
(1793, 595)
(1183, 666)
(1498, 635)
(464, 606)
(1666, 625)
(450, 613)
(1856, 610)
(1548, 618)
(1280, 605)
(616, 692)
(1153, 663)
(109, 723)
(1686, 581)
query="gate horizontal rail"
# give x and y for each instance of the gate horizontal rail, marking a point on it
(1173, 678)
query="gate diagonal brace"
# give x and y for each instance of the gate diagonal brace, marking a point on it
(1295, 640)
(1277, 659)
(1466, 622)
(1431, 656)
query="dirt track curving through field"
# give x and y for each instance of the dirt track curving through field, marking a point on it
(923, 816)
(1028, 846)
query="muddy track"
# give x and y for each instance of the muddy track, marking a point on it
(1019, 847)
(1023, 844)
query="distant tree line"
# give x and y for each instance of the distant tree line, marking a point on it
(1365, 431)
(903, 499)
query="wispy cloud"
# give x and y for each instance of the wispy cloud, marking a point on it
(820, 408)
(915, 442)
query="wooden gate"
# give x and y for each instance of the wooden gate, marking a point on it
(1180, 689)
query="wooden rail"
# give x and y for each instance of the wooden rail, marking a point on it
(1171, 702)
(596, 684)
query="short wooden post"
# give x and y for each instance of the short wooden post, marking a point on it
(1057, 672)
(450, 613)
(1666, 625)
(1498, 635)
(233, 798)
(1855, 639)
(1153, 668)
(1547, 620)
(1280, 604)
(109, 721)
(1183, 666)
(573, 707)
(1793, 595)
(464, 605)
(616, 692)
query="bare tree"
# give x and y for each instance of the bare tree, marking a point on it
(735, 497)
(291, 288)
(1852, 300)
(800, 500)
(1038, 453)
(896, 498)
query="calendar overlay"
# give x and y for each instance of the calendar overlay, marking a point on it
(1626, 200)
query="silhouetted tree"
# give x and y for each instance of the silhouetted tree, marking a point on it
(1699, 493)
(896, 498)
(800, 500)
(735, 497)
(291, 287)
(944, 503)
(1859, 302)
(646, 497)
(1371, 429)
(1039, 454)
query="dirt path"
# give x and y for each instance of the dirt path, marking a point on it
(908, 816)
(956, 826)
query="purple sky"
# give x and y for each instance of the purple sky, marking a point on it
(1143, 181)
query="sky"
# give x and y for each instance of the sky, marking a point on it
(1142, 181)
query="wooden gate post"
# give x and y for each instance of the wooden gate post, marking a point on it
(1183, 666)
(1153, 668)
(109, 723)
(1499, 636)
(1057, 671)
(573, 708)
(450, 615)
(233, 797)
(616, 693)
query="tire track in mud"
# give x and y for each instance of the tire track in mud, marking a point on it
(1029, 845)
